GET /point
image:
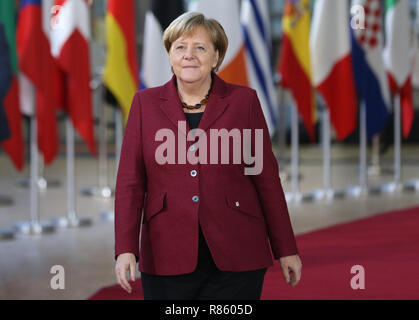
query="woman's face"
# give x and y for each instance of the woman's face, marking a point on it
(193, 57)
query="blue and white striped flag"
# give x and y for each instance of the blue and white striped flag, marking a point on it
(256, 28)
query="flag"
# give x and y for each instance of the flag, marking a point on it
(331, 61)
(294, 62)
(70, 47)
(121, 67)
(40, 68)
(415, 50)
(27, 92)
(5, 82)
(27, 95)
(233, 68)
(369, 72)
(256, 30)
(14, 145)
(155, 65)
(397, 57)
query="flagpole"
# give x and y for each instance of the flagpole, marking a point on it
(326, 192)
(396, 184)
(71, 219)
(361, 189)
(118, 137)
(329, 193)
(296, 195)
(34, 226)
(363, 149)
(375, 169)
(397, 145)
(43, 183)
(281, 130)
(413, 185)
(110, 215)
(283, 175)
(6, 234)
(102, 190)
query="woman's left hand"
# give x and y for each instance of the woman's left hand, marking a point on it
(291, 269)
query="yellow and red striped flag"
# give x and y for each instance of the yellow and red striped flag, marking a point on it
(294, 64)
(121, 68)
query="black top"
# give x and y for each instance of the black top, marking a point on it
(193, 119)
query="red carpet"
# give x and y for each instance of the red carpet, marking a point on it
(386, 245)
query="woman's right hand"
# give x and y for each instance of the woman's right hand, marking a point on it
(124, 262)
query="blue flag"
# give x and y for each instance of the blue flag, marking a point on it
(5, 82)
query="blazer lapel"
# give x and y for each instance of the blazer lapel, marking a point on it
(172, 106)
(216, 103)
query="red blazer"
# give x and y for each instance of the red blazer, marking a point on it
(244, 218)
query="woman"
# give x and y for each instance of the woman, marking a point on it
(209, 228)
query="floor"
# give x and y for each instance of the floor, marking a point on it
(86, 253)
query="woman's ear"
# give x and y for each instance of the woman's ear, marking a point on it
(217, 55)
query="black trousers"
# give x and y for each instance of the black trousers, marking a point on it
(207, 282)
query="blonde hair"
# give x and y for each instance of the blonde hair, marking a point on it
(186, 24)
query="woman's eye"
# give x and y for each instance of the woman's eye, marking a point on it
(201, 48)
(179, 47)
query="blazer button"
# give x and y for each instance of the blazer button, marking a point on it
(237, 203)
(195, 198)
(192, 148)
(193, 173)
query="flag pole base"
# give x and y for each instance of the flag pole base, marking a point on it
(323, 194)
(412, 185)
(6, 201)
(294, 197)
(356, 191)
(284, 176)
(387, 188)
(104, 192)
(391, 187)
(376, 170)
(43, 183)
(108, 215)
(72, 221)
(34, 228)
(7, 234)
(315, 195)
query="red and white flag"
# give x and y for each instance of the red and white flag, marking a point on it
(332, 73)
(398, 58)
(39, 71)
(70, 46)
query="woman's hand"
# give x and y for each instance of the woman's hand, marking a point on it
(291, 269)
(124, 262)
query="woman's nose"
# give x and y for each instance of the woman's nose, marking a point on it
(189, 54)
